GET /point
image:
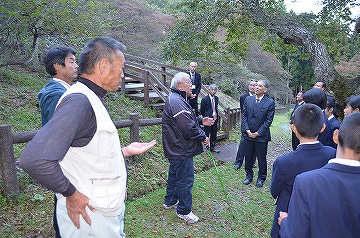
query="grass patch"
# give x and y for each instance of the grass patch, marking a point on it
(252, 207)
(30, 215)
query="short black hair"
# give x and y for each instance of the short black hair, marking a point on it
(353, 101)
(308, 120)
(56, 55)
(349, 132)
(316, 96)
(96, 50)
(331, 104)
(323, 83)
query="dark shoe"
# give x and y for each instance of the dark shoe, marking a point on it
(247, 181)
(260, 183)
(215, 150)
(237, 166)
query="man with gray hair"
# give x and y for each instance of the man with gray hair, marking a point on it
(209, 108)
(195, 78)
(182, 139)
(257, 117)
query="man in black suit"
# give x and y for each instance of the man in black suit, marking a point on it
(299, 101)
(209, 108)
(257, 117)
(196, 86)
(241, 149)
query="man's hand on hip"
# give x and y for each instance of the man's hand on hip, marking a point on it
(76, 205)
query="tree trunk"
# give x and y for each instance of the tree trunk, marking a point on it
(293, 33)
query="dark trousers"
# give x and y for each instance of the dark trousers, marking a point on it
(212, 131)
(240, 155)
(294, 140)
(180, 183)
(194, 104)
(260, 151)
(55, 224)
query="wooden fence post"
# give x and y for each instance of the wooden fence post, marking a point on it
(227, 124)
(7, 161)
(164, 76)
(135, 128)
(145, 76)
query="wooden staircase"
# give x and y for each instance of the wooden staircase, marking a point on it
(149, 81)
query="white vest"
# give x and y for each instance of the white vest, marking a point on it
(98, 170)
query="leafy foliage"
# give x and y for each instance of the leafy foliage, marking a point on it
(228, 28)
(33, 25)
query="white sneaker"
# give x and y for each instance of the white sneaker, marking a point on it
(190, 218)
(171, 206)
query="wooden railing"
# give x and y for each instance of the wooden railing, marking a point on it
(7, 141)
(157, 76)
(154, 75)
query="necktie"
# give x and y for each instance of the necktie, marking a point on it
(213, 108)
(257, 102)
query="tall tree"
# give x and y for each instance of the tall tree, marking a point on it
(244, 20)
(27, 25)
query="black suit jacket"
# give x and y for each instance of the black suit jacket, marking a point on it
(196, 83)
(296, 106)
(242, 100)
(306, 157)
(206, 108)
(258, 119)
(324, 203)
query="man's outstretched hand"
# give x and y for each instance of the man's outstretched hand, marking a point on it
(208, 121)
(137, 148)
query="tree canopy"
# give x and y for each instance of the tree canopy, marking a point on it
(230, 27)
(28, 25)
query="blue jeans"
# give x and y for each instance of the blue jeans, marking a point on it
(180, 183)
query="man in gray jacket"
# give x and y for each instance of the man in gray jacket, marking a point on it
(182, 139)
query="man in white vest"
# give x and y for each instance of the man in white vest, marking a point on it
(81, 159)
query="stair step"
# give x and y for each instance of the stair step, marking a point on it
(152, 95)
(221, 136)
(158, 106)
(131, 80)
(134, 87)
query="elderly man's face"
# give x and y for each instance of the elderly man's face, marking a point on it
(193, 67)
(114, 73)
(185, 85)
(212, 91)
(252, 86)
(260, 89)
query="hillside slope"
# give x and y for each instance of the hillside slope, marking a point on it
(142, 29)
